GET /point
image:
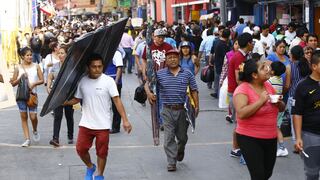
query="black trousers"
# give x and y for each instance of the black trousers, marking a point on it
(259, 154)
(116, 121)
(58, 113)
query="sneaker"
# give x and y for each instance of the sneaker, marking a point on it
(242, 161)
(99, 178)
(235, 153)
(26, 143)
(90, 172)
(54, 142)
(36, 136)
(228, 118)
(171, 167)
(70, 141)
(282, 152)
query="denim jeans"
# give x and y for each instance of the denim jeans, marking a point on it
(36, 57)
(290, 103)
(128, 60)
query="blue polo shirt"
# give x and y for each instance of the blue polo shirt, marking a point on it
(173, 89)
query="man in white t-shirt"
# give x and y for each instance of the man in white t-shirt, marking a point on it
(290, 34)
(96, 91)
(267, 39)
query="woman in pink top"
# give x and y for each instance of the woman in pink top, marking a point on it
(257, 118)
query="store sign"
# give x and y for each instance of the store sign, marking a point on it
(125, 3)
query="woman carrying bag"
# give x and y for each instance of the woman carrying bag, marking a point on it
(32, 74)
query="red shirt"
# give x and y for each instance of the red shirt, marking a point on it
(233, 65)
(158, 55)
(263, 123)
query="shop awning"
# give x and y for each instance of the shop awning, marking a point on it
(190, 3)
(280, 1)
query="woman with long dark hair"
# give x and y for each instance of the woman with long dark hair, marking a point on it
(299, 69)
(35, 78)
(187, 60)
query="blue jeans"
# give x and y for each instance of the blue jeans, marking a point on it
(36, 57)
(127, 60)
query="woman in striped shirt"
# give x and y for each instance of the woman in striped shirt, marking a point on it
(299, 69)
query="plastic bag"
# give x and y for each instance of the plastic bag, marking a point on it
(23, 93)
(223, 96)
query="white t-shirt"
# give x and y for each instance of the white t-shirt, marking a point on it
(269, 40)
(96, 97)
(258, 47)
(117, 59)
(290, 36)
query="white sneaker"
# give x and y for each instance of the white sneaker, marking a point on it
(26, 143)
(282, 152)
(36, 136)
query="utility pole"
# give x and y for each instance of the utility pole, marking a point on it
(69, 10)
(223, 11)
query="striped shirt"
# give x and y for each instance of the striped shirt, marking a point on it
(173, 89)
(295, 78)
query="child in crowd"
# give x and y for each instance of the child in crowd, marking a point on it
(277, 69)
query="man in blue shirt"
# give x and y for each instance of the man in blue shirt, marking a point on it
(173, 82)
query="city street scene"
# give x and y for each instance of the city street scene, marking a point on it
(160, 89)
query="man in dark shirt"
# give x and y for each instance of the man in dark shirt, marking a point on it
(219, 51)
(306, 119)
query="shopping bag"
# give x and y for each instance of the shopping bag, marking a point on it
(223, 95)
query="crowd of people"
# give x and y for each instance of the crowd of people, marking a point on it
(268, 70)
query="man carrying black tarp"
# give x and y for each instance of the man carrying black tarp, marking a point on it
(96, 91)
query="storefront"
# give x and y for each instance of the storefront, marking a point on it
(190, 10)
(243, 8)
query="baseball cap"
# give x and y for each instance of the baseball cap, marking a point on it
(185, 43)
(160, 32)
(172, 51)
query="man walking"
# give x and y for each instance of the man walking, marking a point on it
(306, 112)
(173, 82)
(96, 91)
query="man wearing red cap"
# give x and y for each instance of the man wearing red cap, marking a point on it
(173, 82)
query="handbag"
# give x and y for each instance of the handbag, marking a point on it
(140, 94)
(207, 74)
(23, 89)
(33, 100)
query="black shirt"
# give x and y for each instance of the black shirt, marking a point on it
(307, 104)
(219, 50)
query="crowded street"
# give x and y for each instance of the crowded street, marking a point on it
(160, 90)
(133, 157)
